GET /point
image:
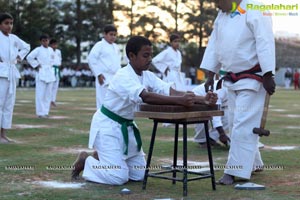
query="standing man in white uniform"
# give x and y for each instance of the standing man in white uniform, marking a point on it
(168, 62)
(113, 132)
(42, 59)
(220, 124)
(56, 69)
(242, 43)
(104, 61)
(12, 51)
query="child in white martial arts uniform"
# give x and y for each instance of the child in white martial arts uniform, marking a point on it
(113, 132)
(56, 68)
(242, 43)
(168, 62)
(42, 59)
(220, 124)
(104, 61)
(12, 50)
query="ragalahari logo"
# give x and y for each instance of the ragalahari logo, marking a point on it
(236, 10)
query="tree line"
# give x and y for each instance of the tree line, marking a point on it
(78, 22)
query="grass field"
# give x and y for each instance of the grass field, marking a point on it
(46, 148)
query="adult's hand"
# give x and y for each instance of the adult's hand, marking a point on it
(211, 98)
(209, 84)
(269, 83)
(188, 99)
(101, 79)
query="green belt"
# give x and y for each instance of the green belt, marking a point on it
(56, 70)
(124, 124)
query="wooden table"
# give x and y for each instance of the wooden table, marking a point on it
(178, 117)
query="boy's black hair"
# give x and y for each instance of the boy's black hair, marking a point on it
(53, 41)
(44, 36)
(135, 44)
(4, 16)
(174, 36)
(109, 28)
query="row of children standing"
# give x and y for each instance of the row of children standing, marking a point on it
(44, 59)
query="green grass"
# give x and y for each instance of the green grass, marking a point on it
(58, 141)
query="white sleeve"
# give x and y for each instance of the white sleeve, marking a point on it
(24, 48)
(93, 60)
(261, 26)
(32, 58)
(210, 61)
(59, 57)
(126, 87)
(200, 90)
(154, 84)
(158, 61)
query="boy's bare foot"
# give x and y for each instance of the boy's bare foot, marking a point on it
(78, 165)
(226, 179)
(5, 140)
(53, 104)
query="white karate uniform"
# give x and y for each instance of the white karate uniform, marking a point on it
(169, 58)
(44, 78)
(122, 98)
(11, 47)
(105, 59)
(237, 44)
(56, 62)
(217, 121)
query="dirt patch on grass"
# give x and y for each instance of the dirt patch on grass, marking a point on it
(278, 110)
(70, 150)
(24, 101)
(59, 117)
(59, 185)
(24, 126)
(88, 108)
(293, 127)
(282, 148)
(76, 131)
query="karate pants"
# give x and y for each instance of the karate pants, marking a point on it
(213, 133)
(245, 112)
(113, 167)
(55, 89)
(43, 94)
(7, 102)
(100, 93)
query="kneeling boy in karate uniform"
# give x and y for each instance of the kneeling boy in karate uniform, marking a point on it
(114, 134)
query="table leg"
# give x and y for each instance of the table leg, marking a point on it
(211, 166)
(185, 159)
(175, 151)
(150, 153)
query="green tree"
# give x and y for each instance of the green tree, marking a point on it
(83, 21)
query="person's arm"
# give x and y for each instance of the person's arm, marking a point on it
(187, 99)
(94, 63)
(209, 98)
(32, 58)
(59, 57)
(261, 27)
(159, 62)
(24, 49)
